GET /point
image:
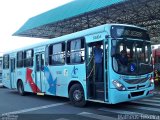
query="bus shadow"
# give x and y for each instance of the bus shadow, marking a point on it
(104, 105)
(40, 97)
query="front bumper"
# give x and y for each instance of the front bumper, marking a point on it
(116, 96)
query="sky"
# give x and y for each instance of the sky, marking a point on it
(14, 13)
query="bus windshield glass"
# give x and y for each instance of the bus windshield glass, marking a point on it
(131, 57)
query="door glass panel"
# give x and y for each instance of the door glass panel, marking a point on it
(42, 62)
(106, 54)
(37, 62)
(12, 65)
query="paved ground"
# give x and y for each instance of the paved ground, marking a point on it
(33, 107)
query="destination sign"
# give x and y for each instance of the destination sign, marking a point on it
(129, 32)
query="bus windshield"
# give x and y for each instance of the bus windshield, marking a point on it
(132, 57)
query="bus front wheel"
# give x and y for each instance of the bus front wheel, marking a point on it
(20, 88)
(76, 95)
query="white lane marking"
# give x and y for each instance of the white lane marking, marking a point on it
(119, 111)
(147, 100)
(144, 103)
(62, 119)
(143, 108)
(34, 109)
(96, 116)
(156, 98)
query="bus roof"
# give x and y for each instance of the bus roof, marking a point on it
(78, 34)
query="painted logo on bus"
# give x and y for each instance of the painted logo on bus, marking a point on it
(52, 82)
(29, 79)
(74, 72)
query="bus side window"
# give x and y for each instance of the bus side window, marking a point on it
(75, 51)
(6, 62)
(20, 59)
(28, 58)
(57, 54)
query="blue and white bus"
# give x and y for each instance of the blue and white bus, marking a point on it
(65, 66)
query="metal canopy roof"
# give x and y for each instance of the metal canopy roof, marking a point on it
(82, 14)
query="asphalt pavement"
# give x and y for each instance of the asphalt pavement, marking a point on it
(33, 107)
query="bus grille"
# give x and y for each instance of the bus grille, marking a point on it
(136, 81)
(136, 87)
(134, 94)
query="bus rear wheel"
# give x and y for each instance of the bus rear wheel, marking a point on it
(76, 95)
(20, 88)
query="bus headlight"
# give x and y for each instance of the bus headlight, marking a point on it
(119, 86)
(151, 80)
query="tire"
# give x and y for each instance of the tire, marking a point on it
(76, 95)
(20, 88)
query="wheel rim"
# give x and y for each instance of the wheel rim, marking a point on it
(77, 95)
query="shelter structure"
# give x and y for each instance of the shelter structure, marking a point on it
(82, 14)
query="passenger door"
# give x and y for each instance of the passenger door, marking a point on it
(40, 71)
(12, 73)
(105, 72)
(97, 89)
